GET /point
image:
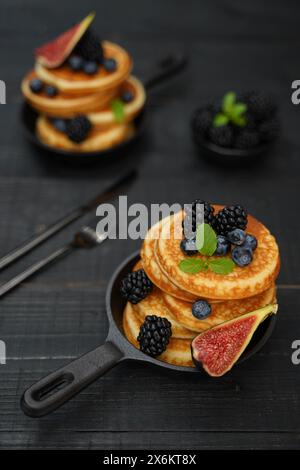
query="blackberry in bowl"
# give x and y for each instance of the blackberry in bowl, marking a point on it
(237, 128)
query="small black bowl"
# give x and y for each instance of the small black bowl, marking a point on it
(230, 156)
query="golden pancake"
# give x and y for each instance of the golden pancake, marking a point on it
(154, 304)
(64, 105)
(241, 283)
(68, 81)
(153, 269)
(178, 351)
(106, 117)
(97, 140)
(221, 311)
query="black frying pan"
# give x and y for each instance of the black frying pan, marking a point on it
(59, 387)
(164, 70)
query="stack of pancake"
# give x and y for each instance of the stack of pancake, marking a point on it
(244, 290)
(78, 93)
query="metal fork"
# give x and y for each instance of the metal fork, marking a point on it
(86, 237)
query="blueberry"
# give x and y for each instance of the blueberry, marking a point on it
(36, 85)
(90, 68)
(60, 125)
(75, 62)
(250, 242)
(201, 309)
(127, 96)
(51, 91)
(188, 247)
(237, 236)
(223, 245)
(110, 65)
(242, 256)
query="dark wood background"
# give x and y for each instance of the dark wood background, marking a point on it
(60, 314)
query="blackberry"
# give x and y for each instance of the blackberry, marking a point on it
(192, 218)
(78, 128)
(269, 130)
(136, 286)
(89, 47)
(247, 139)
(201, 121)
(259, 104)
(154, 335)
(222, 136)
(230, 218)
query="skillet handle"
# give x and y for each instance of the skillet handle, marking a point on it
(166, 68)
(54, 390)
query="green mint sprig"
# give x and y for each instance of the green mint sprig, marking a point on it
(117, 107)
(206, 243)
(232, 111)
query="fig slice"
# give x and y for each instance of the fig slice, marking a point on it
(217, 350)
(54, 53)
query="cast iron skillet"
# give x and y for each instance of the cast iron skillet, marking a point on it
(164, 70)
(53, 391)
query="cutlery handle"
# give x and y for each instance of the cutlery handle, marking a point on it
(30, 244)
(167, 68)
(15, 281)
(54, 390)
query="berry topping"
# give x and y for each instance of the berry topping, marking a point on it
(242, 256)
(247, 139)
(154, 335)
(237, 236)
(89, 47)
(51, 91)
(110, 65)
(269, 130)
(36, 85)
(90, 68)
(188, 247)
(250, 242)
(75, 63)
(60, 125)
(229, 218)
(136, 286)
(222, 135)
(78, 129)
(201, 309)
(259, 104)
(194, 216)
(127, 96)
(223, 246)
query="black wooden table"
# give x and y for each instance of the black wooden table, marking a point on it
(60, 314)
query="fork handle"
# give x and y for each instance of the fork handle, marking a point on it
(15, 281)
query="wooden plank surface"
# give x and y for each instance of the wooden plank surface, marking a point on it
(61, 314)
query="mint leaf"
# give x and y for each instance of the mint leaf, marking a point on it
(193, 265)
(221, 265)
(220, 120)
(237, 115)
(239, 108)
(117, 107)
(228, 102)
(206, 240)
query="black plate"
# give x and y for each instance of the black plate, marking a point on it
(59, 387)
